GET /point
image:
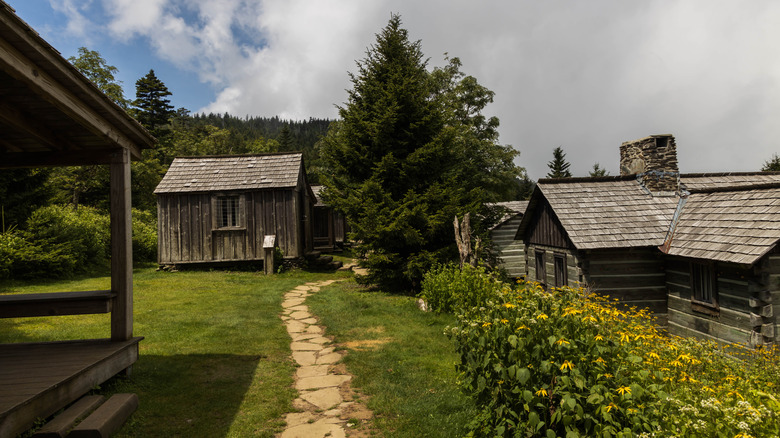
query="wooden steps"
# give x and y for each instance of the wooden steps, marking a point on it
(103, 417)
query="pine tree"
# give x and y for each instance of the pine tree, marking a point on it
(598, 171)
(559, 167)
(773, 165)
(285, 139)
(152, 108)
(407, 156)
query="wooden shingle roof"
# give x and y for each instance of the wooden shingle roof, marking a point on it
(731, 217)
(615, 212)
(232, 172)
(735, 225)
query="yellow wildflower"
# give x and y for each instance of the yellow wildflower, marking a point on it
(541, 393)
(504, 321)
(600, 361)
(676, 363)
(611, 406)
(624, 337)
(567, 364)
(623, 390)
(599, 338)
(487, 324)
(509, 305)
(653, 355)
(561, 342)
(608, 375)
(542, 316)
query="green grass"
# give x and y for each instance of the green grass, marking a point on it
(215, 361)
(400, 358)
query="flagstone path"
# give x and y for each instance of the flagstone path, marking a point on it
(321, 383)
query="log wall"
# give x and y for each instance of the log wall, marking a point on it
(747, 298)
(634, 276)
(187, 231)
(511, 252)
(573, 271)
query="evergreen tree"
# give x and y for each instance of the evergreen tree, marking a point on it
(773, 165)
(407, 156)
(598, 171)
(559, 167)
(152, 108)
(285, 139)
(525, 188)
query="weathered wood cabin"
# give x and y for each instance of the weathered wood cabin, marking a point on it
(510, 252)
(51, 115)
(214, 209)
(700, 250)
(330, 228)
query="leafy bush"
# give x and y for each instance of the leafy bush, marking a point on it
(21, 259)
(144, 236)
(82, 234)
(60, 241)
(568, 363)
(447, 288)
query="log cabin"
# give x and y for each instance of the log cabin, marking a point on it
(510, 252)
(700, 250)
(218, 209)
(52, 115)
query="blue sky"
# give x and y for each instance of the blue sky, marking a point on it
(583, 75)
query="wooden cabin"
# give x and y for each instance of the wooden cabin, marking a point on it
(217, 209)
(700, 250)
(51, 115)
(330, 227)
(510, 252)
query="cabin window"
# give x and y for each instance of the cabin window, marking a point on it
(560, 270)
(541, 271)
(227, 211)
(704, 284)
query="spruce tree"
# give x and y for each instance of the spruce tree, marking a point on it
(598, 171)
(152, 108)
(559, 167)
(407, 156)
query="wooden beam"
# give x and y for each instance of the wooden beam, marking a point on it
(56, 303)
(33, 128)
(121, 248)
(22, 68)
(51, 159)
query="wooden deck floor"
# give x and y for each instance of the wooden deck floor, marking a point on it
(38, 379)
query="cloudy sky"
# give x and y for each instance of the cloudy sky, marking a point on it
(583, 75)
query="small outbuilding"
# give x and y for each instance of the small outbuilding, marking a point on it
(330, 228)
(214, 209)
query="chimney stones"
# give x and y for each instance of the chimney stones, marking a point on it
(654, 160)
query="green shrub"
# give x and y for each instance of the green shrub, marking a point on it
(447, 288)
(144, 236)
(21, 259)
(82, 234)
(568, 363)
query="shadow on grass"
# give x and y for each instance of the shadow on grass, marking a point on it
(196, 395)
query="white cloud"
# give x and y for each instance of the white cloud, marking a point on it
(582, 75)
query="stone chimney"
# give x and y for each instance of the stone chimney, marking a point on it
(654, 160)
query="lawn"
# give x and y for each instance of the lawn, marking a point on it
(401, 359)
(215, 361)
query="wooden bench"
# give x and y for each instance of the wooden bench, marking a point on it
(56, 303)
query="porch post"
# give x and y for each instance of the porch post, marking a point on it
(121, 247)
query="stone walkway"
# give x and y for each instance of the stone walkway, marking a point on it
(321, 384)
